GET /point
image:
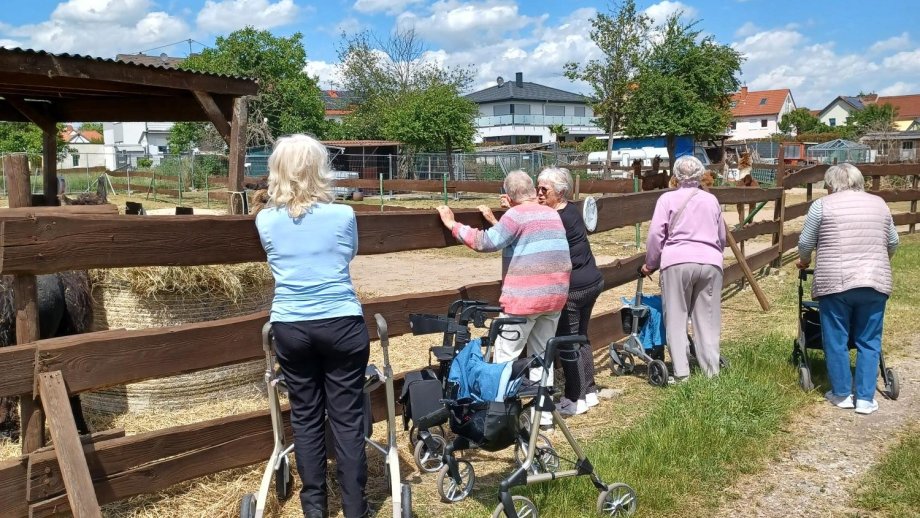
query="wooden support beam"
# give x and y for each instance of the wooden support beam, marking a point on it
(74, 470)
(238, 152)
(913, 204)
(780, 209)
(32, 111)
(25, 302)
(214, 114)
(49, 167)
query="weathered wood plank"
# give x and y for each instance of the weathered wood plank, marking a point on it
(13, 483)
(898, 195)
(906, 218)
(214, 114)
(69, 451)
(131, 174)
(807, 175)
(44, 473)
(61, 210)
(798, 210)
(17, 367)
(729, 195)
(733, 272)
(756, 229)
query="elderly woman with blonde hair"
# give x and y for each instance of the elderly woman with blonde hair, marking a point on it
(686, 242)
(855, 238)
(321, 339)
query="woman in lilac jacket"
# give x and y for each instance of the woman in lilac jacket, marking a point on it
(686, 242)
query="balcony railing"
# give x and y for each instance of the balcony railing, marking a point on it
(533, 120)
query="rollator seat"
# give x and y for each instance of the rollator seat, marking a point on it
(443, 353)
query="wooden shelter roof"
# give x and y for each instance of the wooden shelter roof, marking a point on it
(67, 87)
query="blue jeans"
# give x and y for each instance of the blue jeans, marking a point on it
(853, 316)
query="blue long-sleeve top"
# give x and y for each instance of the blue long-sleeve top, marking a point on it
(309, 258)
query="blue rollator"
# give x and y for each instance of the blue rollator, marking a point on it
(485, 410)
(643, 321)
(279, 468)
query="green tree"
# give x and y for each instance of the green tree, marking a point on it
(685, 85)
(621, 36)
(873, 118)
(433, 119)
(592, 144)
(289, 101)
(557, 130)
(800, 121)
(25, 137)
(386, 76)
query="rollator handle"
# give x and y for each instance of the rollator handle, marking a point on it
(383, 334)
(555, 342)
(496, 329)
(805, 272)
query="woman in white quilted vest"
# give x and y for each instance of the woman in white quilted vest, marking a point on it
(855, 238)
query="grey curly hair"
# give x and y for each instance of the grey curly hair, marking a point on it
(688, 170)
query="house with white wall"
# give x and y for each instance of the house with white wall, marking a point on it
(519, 112)
(840, 109)
(125, 142)
(756, 113)
(84, 149)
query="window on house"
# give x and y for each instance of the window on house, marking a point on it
(555, 110)
(763, 123)
(162, 149)
(883, 148)
(907, 144)
(734, 125)
(76, 159)
(832, 122)
(579, 111)
(501, 109)
(763, 101)
(734, 103)
(521, 109)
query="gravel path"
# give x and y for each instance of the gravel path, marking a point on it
(833, 450)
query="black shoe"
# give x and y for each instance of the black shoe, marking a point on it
(316, 513)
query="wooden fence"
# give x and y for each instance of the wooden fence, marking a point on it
(112, 466)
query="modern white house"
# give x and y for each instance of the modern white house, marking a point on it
(756, 114)
(519, 112)
(125, 142)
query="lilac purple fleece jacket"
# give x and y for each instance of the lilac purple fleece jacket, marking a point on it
(698, 235)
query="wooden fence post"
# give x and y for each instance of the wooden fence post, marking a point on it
(913, 204)
(779, 212)
(237, 155)
(25, 294)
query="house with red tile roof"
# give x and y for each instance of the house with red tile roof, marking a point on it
(756, 113)
(337, 104)
(85, 149)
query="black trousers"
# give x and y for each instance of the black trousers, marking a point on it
(323, 362)
(578, 364)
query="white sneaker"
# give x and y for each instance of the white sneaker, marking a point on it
(591, 399)
(569, 407)
(866, 407)
(839, 401)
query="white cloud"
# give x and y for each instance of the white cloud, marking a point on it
(101, 11)
(893, 43)
(10, 44)
(747, 29)
(899, 88)
(908, 61)
(348, 25)
(229, 15)
(659, 12)
(383, 6)
(455, 25)
(327, 74)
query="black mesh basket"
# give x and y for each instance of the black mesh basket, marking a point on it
(626, 316)
(811, 325)
(491, 425)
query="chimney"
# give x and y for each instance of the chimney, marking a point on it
(744, 90)
(519, 79)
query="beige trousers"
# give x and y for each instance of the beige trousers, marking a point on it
(534, 334)
(695, 291)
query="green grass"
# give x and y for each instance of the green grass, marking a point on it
(695, 441)
(892, 488)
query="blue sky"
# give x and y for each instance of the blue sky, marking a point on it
(817, 48)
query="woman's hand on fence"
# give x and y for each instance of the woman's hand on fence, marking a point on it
(487, 214)
(447, 216)
(646, 270)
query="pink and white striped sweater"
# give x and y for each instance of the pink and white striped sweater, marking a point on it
(535, 257)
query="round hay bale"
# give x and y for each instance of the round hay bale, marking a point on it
(143, 298)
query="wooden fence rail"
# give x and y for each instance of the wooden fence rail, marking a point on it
(36, 241)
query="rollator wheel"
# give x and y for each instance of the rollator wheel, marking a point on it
(626, 364)
(522, 506)
(406, 510)
(430, 460)
(805, 379)
(248, 506)
(451, 490)
(546, 459)
(892, 384)
(658, 373)
(414, 437)
(723, 363)
(284, 482)
(617, 500)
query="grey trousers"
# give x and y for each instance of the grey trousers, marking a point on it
(695, 291)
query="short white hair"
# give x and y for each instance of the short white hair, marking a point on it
(519, 186)
(688, 169)
(560, 178)
(844, 177)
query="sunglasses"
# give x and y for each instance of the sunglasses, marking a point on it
(542, 190)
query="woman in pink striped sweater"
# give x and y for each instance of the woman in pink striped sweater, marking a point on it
(535, 267)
